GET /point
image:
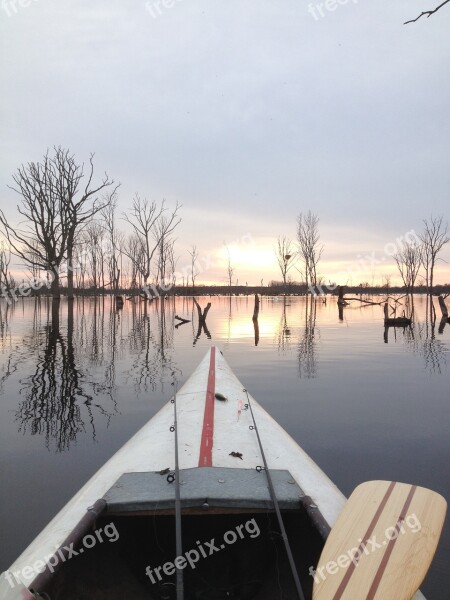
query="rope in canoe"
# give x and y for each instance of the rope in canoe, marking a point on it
(273, 496)
(178, 539)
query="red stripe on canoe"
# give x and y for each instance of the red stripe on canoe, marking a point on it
(206, 444)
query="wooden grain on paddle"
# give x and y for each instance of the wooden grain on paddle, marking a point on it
(382, 543)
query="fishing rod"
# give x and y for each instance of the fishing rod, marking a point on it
(287, 546)
(170, 479)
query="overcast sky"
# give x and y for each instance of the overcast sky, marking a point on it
(245, 111)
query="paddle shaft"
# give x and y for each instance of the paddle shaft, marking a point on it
(178, 539)
(273, 496)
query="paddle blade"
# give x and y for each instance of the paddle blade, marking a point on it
(382, 543)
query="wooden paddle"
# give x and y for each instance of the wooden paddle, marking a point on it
(382, 543)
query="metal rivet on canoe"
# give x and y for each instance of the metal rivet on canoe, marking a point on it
(221, 480)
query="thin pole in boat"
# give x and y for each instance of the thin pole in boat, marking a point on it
(277, 507)
(178, 539)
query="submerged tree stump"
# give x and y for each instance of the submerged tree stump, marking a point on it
(256, 307)
(202, 321)
(341, 300)
(395, 321)
(202, 314)
(255, 319)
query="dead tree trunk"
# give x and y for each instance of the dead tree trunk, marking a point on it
(202, 314)
(255, 319)
(341, 300)
(256, 308)
(202, 321)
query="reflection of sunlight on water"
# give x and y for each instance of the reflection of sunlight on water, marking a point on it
(242, 327)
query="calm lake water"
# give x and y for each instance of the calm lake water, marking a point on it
(74, 387)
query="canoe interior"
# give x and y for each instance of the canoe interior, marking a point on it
(254, 566)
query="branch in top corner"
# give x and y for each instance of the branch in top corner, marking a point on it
(427, 13)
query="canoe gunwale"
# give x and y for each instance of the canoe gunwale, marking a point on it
(86, 524)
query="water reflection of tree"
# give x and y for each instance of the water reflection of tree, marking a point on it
(307, 347)
(58, 388)
(9, 366)
(5, 333)
(152, 344)
(421, 338)
(202, 326)
(283, 332)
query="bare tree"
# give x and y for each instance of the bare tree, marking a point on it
(134, 251)
(433, 238)
(92, 240)
(6, 279)
(81, 260)
(165, 251)
(428, 13)
(81, 204)
(230, 268)
(409, 260)
(115, 240)
(54, 208)
(193, 253)
(167, 263)
(286, 256)
(386, 282)
(150, 223)
(310, 249)
(40, 239)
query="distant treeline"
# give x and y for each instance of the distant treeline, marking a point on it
(246, 290)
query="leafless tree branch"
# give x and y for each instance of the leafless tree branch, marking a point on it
(286, 256)
(427, 13)
(310, 249)
(151, 225)
(433, 238)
